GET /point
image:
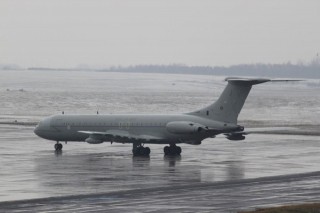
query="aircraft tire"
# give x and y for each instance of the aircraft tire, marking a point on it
(134, 152)
(172, 150)
(58, 146)
(178, 150)
(147, 151)
(167, 150)
(141, 151)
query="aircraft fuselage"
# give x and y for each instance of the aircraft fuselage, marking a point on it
(68, 127)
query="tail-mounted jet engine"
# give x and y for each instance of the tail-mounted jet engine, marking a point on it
(184, 127)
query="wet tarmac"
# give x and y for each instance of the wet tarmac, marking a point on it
(225, 196)
(217, 175)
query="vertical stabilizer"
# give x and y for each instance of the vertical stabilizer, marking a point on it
(228, 106)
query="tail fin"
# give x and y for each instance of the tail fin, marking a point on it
(228, 106)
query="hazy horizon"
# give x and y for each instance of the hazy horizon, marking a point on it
(50, 33)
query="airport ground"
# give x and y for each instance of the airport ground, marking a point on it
(265, 170)
(217, 176)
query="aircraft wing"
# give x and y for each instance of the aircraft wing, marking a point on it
(119, 135)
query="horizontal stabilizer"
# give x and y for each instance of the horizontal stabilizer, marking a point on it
(253, 81)
(247, 81)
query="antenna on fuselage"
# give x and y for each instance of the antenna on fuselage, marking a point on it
(97, 112)
(62, 112)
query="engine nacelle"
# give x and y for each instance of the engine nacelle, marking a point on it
(184, 127)
(93, 141)
(236, 137)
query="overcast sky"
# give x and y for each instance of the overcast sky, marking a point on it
(66, 33)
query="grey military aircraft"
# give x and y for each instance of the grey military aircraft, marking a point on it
(139, 129)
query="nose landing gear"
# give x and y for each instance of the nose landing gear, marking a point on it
(58, 146)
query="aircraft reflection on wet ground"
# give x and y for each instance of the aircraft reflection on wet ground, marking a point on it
(101, 172)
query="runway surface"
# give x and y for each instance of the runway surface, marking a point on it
(219, 175)
(225, 196)
(265, 170)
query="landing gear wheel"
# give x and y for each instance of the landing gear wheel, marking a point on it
(147, 151)
(172, 150)
(58, 146)
(178, 150)
(141, 151)
(166, 150)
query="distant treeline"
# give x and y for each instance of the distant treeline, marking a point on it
(264, 70)
(286, 70)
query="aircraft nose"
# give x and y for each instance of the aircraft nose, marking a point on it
(39, 129)
(42, 127)
(36, 130)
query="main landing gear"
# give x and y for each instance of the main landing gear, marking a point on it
(139, 150)
(58, 146)
(172, 150)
